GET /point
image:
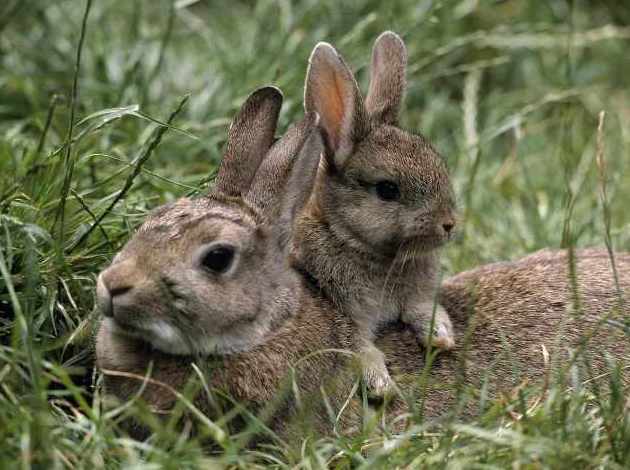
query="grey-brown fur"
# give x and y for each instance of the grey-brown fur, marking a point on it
(514, 309)
(252, 325)
(376, 258)
(276, 324)
(304, 347)
(527, 301)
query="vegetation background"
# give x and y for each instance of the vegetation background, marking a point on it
(510, 92)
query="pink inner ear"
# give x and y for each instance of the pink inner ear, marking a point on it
(329, 103)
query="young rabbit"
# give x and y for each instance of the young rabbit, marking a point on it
(381, 208)
(207, 278)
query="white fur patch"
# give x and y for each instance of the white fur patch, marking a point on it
(167, 338)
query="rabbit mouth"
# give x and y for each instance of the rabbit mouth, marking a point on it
(434, 242)
(422, 243)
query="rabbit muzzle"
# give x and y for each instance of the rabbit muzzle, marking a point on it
(117, 291)
(447, 226)
(129, 311)
(429, 231)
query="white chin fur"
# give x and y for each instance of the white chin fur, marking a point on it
(160, 334)
(167, 338)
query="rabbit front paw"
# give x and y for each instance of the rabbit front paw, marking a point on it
(442, 336)
(377, 381)
(376, 378)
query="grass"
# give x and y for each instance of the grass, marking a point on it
(107, 114)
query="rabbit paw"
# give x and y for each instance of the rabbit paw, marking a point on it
(443, 335)
(375, 375)
(377, 382)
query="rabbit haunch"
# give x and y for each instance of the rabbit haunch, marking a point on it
(381, 208)
(514, 315)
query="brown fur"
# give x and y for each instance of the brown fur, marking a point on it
(300, 337)
(246, 144)
(253, 326)
(516, 306)
(306, 349)
(524, 301)
(375, 257)
(512, 310)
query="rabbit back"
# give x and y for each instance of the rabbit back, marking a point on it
(509, 316)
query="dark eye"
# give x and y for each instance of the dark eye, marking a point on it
(387, 190)
(218, 259)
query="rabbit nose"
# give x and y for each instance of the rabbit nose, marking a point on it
(448, 226)
(113, 282)
(104, 298)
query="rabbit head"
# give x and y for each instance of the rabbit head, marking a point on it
(385, 187)
(199, 277)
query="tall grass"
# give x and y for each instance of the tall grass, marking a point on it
(94, 132)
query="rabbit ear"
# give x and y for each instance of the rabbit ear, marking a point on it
(387, 78)
(300, 185)
(250, 136)
(268, 188)
(333, 93)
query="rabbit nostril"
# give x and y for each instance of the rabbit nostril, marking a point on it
(119, 290)
(448, 227)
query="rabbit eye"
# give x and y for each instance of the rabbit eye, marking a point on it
(218, 259)
(387, 190)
